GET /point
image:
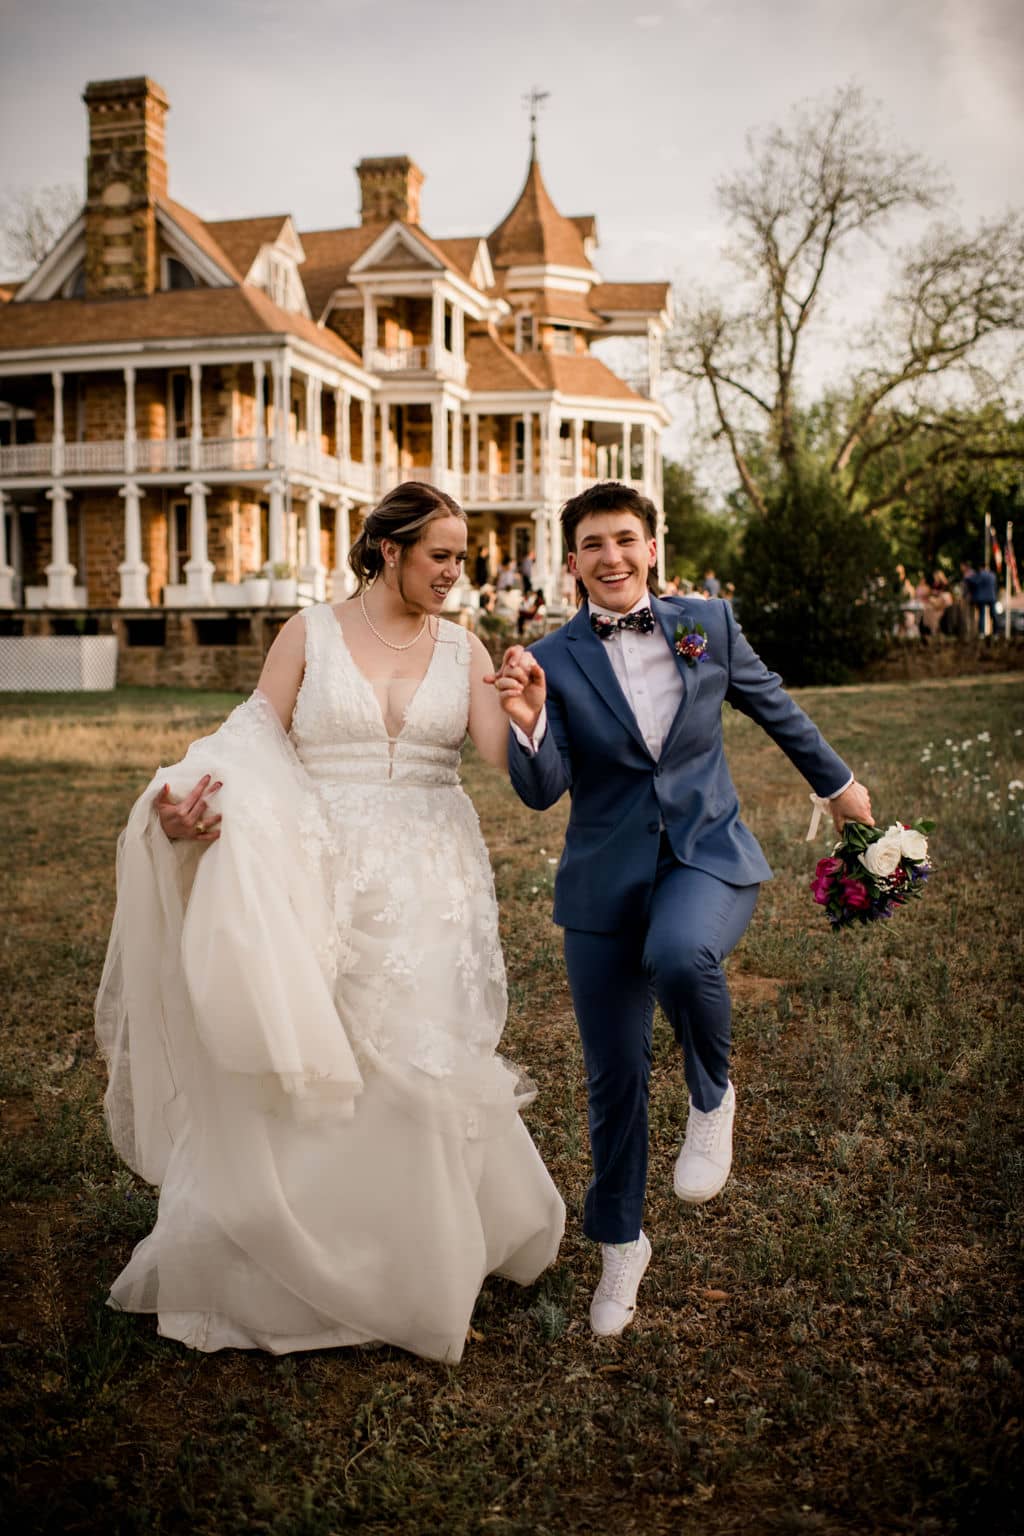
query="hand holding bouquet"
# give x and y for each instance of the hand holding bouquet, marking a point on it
(870, 872)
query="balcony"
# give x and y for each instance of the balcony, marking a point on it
(431, 360)
(178, 456)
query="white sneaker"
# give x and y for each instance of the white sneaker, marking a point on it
(622, 1269)
(705, 1158)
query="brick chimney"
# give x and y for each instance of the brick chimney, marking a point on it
(390, 189)
(126, 173)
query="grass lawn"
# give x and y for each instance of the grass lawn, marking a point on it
(828, 1347)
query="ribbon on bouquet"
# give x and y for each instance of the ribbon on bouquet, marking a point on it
(819, 805)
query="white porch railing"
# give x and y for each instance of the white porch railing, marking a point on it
(160, 454)
(25, 459)
(418, 360)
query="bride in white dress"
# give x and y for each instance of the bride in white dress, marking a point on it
(301, 1025)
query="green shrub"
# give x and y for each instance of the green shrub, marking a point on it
(817, 594)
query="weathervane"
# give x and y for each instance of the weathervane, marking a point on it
(534, 100)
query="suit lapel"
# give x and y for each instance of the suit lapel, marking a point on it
(591, 656)
(668, 617)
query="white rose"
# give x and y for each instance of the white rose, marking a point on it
(881, 858)
(913, 845)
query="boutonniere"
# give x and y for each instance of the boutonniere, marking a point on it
(691, 644)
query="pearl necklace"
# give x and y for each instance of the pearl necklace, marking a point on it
(390, 643)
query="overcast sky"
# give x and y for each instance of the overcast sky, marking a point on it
(273, 101)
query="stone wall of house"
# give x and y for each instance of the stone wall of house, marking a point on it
(102, 514)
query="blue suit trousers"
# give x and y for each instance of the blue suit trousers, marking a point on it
(672, 954)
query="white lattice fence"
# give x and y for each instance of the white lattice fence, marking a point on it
(57, 663)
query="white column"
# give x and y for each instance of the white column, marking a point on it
(556, 493)
(385, 447)
(196, 375)
(527, 453)
(474, 454)
(660, 536)
(198, 567)
(60, 573)
(133, 571)
(343, 581)
(58, 424)
(276, 554)
(648, 462)
(314, 572)
(6, 570)
(457, 450)
(369, 330)
(259, 375)
(542, 551)
(459, 340)
(624, 467)
(436, 328)
(366, 407)
(130, 435)
(557, 555)
(310, 409)
(437, 436)
(577, 454)
(343, 425)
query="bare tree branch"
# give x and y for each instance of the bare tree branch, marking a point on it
(33, 220)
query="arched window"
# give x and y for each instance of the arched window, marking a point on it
(74, 288)
(176, 274)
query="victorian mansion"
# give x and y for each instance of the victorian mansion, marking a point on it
(195, 414)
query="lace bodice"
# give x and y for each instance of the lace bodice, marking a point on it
(338, 727)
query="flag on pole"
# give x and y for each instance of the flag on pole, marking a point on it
(1011, 559)
(997, 554)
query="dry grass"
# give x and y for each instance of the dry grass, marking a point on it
(830, 1346)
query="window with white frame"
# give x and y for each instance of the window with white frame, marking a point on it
(177, 542)
(278, 285)
(526, 332)
(563, 339)
(176, 277)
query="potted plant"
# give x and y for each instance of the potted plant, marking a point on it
(284, 586)
(256, 588)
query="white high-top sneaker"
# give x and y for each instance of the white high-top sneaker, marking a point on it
(622, 1269)
(705, 1158)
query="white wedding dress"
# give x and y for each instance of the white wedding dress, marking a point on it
(301, 1025)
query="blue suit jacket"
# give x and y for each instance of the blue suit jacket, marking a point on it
(621, 796)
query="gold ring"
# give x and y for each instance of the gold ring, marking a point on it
(200, 828)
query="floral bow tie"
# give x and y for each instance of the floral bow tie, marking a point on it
(604, 627)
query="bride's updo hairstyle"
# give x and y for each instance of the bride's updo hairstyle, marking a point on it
(401, 517)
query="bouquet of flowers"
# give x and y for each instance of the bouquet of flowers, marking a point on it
(870, 872)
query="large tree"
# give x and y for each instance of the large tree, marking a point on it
(823, 188)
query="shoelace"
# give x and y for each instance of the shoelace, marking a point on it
(614, 1272)
(703, 1126)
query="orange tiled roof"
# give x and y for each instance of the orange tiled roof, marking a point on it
(460, 252)
(493, 366)
(586, 223)
(241, 239)
(329, 254)
(534, 231)
(606, 297)
(553, 304)
(586, 376)
(195, 313)
(198, 231)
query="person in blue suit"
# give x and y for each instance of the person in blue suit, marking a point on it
(659, 877)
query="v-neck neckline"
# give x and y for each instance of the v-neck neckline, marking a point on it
(371, 690)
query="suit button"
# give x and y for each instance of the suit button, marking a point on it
(652, 826)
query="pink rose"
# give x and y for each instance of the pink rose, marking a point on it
(855, 894)
(821, 890)
(829, 867)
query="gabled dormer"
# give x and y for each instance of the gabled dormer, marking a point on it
(267, 253)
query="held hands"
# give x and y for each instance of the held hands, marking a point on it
(854, 804)
(189, 818)
(521, 687)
